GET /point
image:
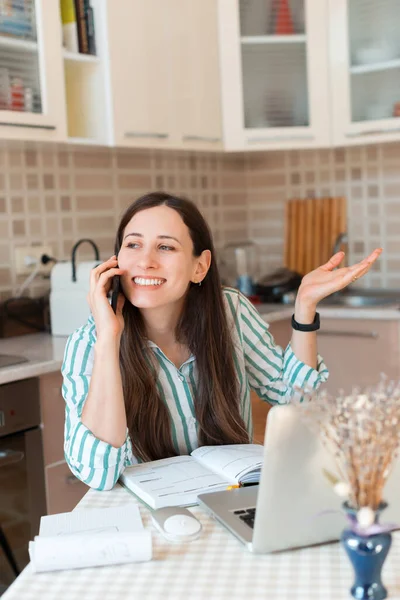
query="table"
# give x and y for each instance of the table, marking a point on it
(215, 566)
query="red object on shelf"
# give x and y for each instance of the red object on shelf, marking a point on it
(283, 20)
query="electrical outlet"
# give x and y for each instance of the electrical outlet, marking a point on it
(28, 257)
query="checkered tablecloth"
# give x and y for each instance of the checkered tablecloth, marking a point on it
(216, 565)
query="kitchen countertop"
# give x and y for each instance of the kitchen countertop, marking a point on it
(45, 353)
(214, 566)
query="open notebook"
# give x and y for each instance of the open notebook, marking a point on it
(177, 481)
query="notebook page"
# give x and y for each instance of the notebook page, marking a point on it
(233, 461)
(175, 481)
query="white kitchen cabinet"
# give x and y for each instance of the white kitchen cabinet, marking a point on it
(164, 74)
(275, 87)
(140, 65)
(365, 70)
(32, 105)
(357, 351)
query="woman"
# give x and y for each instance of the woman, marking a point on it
(173, 367)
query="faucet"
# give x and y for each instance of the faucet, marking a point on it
(342, 238)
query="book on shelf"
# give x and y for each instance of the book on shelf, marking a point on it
(90, 31)
(83, 43)
(69, 26)
(177, 481)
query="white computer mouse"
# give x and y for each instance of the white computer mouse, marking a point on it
(176, 523)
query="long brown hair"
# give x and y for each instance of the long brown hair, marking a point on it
(204, 329)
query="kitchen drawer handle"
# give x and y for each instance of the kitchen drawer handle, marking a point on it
(8, 457)
(279, 138)
(28, 125)
(373, 132)
(200, 138)
(355, 334)
(72, 480)
(145, 134)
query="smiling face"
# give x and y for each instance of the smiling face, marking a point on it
(157, 258)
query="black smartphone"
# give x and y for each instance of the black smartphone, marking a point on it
(115, 290)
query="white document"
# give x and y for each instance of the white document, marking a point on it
(175, 481)
(90, 538)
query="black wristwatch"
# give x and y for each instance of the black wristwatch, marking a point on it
(310, 327)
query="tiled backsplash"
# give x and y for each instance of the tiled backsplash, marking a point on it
(57, 194)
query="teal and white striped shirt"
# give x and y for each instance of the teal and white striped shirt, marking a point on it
(261, 365)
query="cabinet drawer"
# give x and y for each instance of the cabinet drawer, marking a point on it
(63, 489)
(356, 352)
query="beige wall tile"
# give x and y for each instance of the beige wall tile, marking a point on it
(93, 160)
(92, 225)
(132, 181)
(5, 276)
(94, 181)
(94, 203)
(33, 204)
(134, 161)
(4, 253)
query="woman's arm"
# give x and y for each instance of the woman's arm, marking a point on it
(304, 343)
(104, 410)
(315, 286)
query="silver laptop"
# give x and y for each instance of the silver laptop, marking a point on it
(286, 510)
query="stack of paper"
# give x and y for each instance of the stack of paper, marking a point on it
(90, 538)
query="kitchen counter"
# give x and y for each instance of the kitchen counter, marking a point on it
(215, 566)
(45, 353)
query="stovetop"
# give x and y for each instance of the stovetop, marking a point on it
(7, 360)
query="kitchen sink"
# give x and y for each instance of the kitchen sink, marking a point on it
(362, 298)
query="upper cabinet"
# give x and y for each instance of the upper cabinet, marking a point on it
(219, 74)
(165, 73)
(230, 75)
(274, 70)
(365, 70)
(31, 76)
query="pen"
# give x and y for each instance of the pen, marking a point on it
(239, 485)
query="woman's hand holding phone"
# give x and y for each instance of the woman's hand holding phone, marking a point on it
(108, 321)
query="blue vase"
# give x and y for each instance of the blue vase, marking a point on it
(367, 555)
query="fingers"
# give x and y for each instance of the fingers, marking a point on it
(358, 270)
(334, 261)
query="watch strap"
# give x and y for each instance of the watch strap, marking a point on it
(309, 326)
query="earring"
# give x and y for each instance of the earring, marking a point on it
(199, 283)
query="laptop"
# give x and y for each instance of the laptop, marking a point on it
(290, 508)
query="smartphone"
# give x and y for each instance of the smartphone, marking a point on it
(115, 290)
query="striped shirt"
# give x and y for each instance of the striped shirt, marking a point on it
(260, 364)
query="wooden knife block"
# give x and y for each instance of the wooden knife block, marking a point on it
(311, 228)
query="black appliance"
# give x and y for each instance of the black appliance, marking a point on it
(273, 286)
(22, 486)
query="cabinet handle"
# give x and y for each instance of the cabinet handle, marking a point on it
(145, 134)
(72, 480)
(200, 138)
(373, 132)
(8, 457)
(279, 138)
(28, 125)
(355, 334)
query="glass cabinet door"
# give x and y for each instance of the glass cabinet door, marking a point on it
(374, 46)
(274, 65)
(31, 77)
(365, 54)
(274, 61)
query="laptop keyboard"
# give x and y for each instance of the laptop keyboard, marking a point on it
(246, 515)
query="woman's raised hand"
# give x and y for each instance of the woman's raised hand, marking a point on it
(327, 279)
(107, 323)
